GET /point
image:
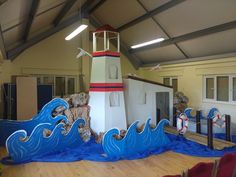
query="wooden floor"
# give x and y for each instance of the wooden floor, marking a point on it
(153, 166)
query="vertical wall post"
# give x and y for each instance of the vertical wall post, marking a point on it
(174, 117)
(198, 122)
(227, 127)
(158, 115)
(94, 42)
(105, 40)
(210, 133)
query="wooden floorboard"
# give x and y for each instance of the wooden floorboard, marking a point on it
(153, 166)
(202, 139)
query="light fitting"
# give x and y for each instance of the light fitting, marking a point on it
(147, 43)
(76, 32)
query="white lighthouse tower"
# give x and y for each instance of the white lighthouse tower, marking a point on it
(106, 86)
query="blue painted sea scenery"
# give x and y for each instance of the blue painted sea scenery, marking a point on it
(135, 142)
(7, 127)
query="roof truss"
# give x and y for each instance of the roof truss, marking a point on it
(63, 11)
(13, 53)
(188, 36)
(33, 10)
(163, 30)
(2, 46)
(149, 14)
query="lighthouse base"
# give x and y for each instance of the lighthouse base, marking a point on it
(107, 111)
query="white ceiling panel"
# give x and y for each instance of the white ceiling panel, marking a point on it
(44, 5)
(74, 9)
(142, 32)
(152, 4)
(11, 37)
(13, 12)
(218, 43)
(194, 15)
(43, 21)
(118, 12)
(160, 54)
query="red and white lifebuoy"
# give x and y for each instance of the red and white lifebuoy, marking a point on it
(182, 123)
(219, 120)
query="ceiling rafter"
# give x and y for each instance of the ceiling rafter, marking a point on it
(37, 15)
(63, 11)
(2, 45)
(2, 2)
(33, 10)
(151, 13)
(135, 61)
(195, 59)
(100, 3)
(13, 53)
(163, 30)
(188, 36)
(83, 13)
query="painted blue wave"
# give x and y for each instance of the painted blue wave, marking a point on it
(135, 142)
(7, 127)
(38, 145)
(210, 114)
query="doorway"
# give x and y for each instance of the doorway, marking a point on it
(162, 105)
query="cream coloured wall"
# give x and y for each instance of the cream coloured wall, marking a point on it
(190, 80)
(55, 56)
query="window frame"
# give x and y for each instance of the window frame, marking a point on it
(54, 82)
(230, 89)
(171, 82)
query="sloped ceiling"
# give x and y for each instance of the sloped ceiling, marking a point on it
(150, 19)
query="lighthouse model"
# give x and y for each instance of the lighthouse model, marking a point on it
(106, 86)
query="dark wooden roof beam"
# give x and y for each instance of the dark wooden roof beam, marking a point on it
(188, 36)
(33, 10)
(63, 11)
(149, 14)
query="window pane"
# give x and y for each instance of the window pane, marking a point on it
(210, 88)
(71, 85)
(166, 81)
(48, 80)
(234, 89)
(223, 88)
(38, 80)
(60, 86)
(175, 85)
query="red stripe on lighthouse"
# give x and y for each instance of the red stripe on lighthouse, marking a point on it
(106, 89)
(106, 53)
(106, 85)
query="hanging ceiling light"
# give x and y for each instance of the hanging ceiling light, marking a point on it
(76, 32)
(147, 43)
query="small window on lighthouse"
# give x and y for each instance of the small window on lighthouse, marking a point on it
(114, 99)
(113, 72)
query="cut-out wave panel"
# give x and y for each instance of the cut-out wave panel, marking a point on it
(135, 142)
(7, 127)
(22, 148)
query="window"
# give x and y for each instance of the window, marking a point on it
(114, 99)
(171, 81)
(221, 88)
(166, 81)
(71, 85)
(62, 85)
(234, 88)
(175, 85)
(210, 88)
(113, 72)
